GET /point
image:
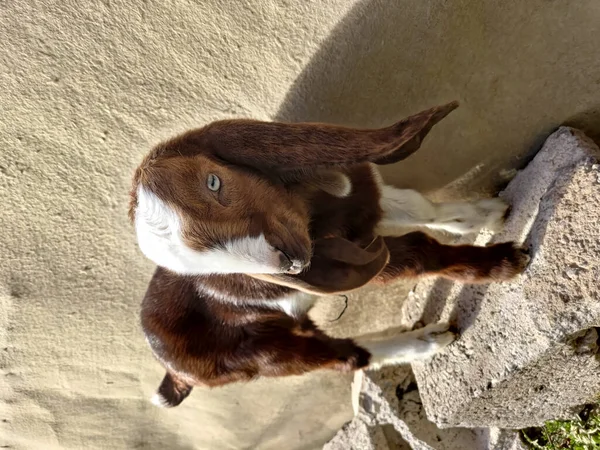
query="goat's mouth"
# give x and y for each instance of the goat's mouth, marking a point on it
(290, 265)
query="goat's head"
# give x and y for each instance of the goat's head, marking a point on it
(228, 198)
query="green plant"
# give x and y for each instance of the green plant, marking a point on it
(581, 433)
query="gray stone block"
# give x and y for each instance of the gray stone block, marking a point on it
(390, 415)
(528, 350)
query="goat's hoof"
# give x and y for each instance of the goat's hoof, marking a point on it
(512, 261)
(493, 213)
(438, 335)
(352, 358)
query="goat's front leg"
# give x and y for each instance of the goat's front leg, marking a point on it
(417, 254)
(305, 348)
(275, 347)
(409, 346)
(407, 208)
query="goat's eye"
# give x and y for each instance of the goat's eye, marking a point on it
(213, 182)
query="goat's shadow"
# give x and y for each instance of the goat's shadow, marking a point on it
(466, 306)
(387, 60)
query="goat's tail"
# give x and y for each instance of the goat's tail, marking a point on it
(171, 392)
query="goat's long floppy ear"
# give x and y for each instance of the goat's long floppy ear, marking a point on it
(337, 266)
(282, 147)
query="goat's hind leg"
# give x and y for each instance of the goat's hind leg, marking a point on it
(404, 208)
(305, 348)
(293, 347)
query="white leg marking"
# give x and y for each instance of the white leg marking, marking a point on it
(158, 230)
(464, 218)
(159, 400)
(294, 305)
(408, 208)
(410, 346)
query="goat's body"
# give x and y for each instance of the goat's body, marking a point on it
(212, 330)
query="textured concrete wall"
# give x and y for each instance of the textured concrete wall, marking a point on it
(87, 87)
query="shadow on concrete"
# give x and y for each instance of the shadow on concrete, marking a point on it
(436, 301)
(587, 121)
(467, 306)
(520, 69)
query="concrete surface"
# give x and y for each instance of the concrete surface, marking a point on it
(528, 350)
(87, 87)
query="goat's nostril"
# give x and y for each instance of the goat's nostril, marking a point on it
(285, 263)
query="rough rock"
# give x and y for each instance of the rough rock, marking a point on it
(528, 350)
(390, 416)
(377, 424)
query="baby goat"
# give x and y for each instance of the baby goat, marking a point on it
(243, 217)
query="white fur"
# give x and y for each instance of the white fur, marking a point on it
(408, 347)
(295, 304)
(332, 182)
(159, 401)
(404, 208)
(158, 230)
(464, 218)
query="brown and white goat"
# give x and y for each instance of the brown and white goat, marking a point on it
(236, 214)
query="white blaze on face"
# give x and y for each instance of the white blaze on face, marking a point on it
(158, 230)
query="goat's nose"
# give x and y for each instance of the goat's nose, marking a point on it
(297, 267)
(289, 265)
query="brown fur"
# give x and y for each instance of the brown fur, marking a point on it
(417, 254)
(204, 339)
